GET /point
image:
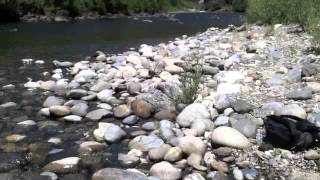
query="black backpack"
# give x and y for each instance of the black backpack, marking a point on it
(290, 132)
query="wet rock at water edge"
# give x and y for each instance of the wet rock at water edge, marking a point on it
(114, 134)
(73, 118)
(53, 101)
(121, 111)
(98, 114)
(113, 173)
(10, 161)
(65, 165)
(91, 147)
(157, 154)
(77, 93)
(128, 160)
(109, 132)
(145, 143)
(59, 110)
(165, 171)
(80, 109)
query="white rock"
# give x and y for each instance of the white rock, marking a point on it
(228, 136)
(73, 118)
(27, 123)
(105, 95)
(228, 88)
(294, 110)
(51, 175)
(165, 171)
(229, 76)
(85, 74)
(192, 145)
(191, 113)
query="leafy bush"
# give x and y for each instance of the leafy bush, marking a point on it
(8, 14)
(239, 5)
(304, 12)
(212, 5)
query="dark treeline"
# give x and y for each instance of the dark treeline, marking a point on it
(13, 9)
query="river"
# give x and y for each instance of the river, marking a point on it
(73, 41)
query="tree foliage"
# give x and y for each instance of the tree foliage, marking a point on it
(102, 7)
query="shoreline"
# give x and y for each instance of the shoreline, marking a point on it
(247, 73)
(44, 18)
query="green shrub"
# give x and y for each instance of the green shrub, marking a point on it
(190, 82)
(190, 85)
(212, 5)
(304, 12)
(239, 5)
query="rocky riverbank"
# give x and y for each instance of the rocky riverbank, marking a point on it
(118, 112)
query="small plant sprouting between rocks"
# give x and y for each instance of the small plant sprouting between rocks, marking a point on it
(190, 82)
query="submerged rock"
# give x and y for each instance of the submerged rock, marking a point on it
(65, 165)
(113, 173)
(165, 171)
(145, 143)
